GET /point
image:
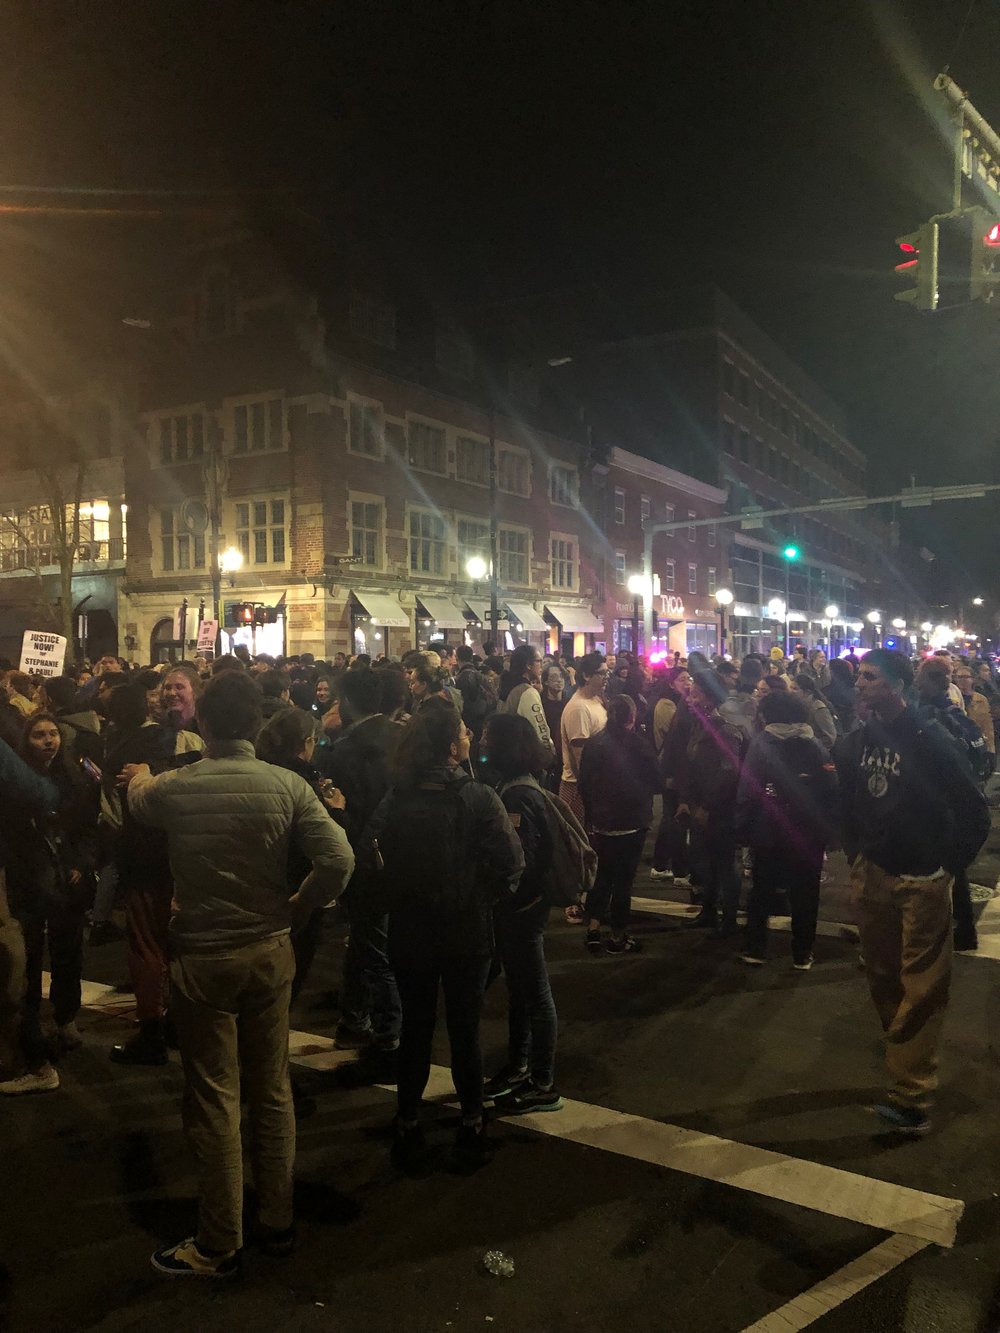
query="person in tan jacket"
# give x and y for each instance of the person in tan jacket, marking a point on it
(977, 706)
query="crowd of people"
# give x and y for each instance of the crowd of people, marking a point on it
(447, 803)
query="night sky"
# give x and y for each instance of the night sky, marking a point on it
(499, 149)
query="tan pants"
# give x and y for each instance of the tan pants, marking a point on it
(12, 981)
(906, 938)
(232, 1015)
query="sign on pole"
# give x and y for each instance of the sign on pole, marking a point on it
(208, 632)
(42, 654)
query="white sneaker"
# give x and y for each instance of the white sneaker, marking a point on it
(661, 874)
(45, 1081)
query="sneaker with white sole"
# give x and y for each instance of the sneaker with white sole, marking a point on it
(530, 1097)
(751, 959)
(46, 1080)
(661, 874)
(905, 1119)
(803, 964)
(188, 1260)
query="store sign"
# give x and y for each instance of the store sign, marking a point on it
(672, 607)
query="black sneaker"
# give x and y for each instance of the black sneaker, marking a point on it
(277, 1244)
(409, 1149)
(707, 919)
(504, 1083)
(966, 940)
(529, 1097)
(903, 1119)
(472, 1149)
(625, 945)
(352, 1039)
(594, 942)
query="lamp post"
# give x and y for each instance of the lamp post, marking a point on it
(830, 614)
(228, 562)
(477, 569)
(874, 619)
(724, 598)
(638, 587)
(777, 610)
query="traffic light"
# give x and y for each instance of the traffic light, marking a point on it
(243, 613)
(985, 283)
(791, 552)
(919, 266)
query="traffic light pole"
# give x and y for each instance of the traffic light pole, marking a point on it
(914, 497)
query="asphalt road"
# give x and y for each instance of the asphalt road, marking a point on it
(627, 1223)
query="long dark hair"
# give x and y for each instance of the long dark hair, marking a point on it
(26, 752)
(621, 714)
(427, 741)
(513, 746)
(281, 738)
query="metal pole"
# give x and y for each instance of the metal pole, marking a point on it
(212, 495)
(788, 594)
(647, 579)
(635, 625)
(494, 572)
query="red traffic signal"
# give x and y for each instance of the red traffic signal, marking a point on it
(992, 237)
(243, 613)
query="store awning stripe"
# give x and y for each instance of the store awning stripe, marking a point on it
(383, 608)
(523, 613)
(444, 612)
(575, 619)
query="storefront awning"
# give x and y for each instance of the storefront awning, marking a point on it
(444, 612)
(525, 615)
(574, 619)
(383, 608)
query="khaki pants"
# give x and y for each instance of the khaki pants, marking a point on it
(12, 981)
(905, 929)
(231, 1013)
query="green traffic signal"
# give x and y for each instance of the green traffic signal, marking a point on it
(791, 553)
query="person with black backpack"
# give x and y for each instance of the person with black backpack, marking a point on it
(477, 702)
(527, 1080)
(786, 811)
(448, 854)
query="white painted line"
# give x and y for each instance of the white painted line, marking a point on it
(839, 1287)
(823, 1189)
(661, 907)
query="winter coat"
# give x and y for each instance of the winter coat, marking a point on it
(230, 820)
(81, 736)
(527, 807)
(618, 779)
(709, 769)
(525, 701)
(977, 708)
(42, 848)
(491, 864)
(24, 788)
(359, 763)
(788, 793)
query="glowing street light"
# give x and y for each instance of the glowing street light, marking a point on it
(776, 608)
(476, 568)
(874, 617)
(832, 611)
(724, 597)
(899, 623)
(977, 601)
(926, 627)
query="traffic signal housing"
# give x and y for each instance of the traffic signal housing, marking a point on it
(985, 280)
(243, 613)
(918, 253)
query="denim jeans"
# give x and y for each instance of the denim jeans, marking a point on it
(796, 873)
(531, 1012)
(63, 924)
(671, 850)
(463, 979)
(610, 900)
(371, 997)
(713, 848)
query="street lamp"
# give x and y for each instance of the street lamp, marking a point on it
(231, 562)
(724, 598)
(899, 623)
(977, 601)
(476, 568)
(874, 619)
(830, 613)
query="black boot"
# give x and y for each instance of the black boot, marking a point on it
(147, 1047)
(707, 919)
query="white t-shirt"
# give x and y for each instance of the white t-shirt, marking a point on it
(582, 718)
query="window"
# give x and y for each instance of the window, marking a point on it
(374, 320)
(619, 505)
(669, 577)
(179, 549)
(523, 383)
(472, 460)
(512, 472)
(366, 532)
(744, 388)
(620, 567)
(512, 556)
(711, 581)
(562, 485)
(692, 531)
(427, 447)
(713, 535)
(258, 426)
(668, 516)
(426, 543)
(473, 540)
(453, 354)
(365, 435)
(261, 532)
(181, 437)
(692, 578)
(645, 508)
(744, 446)
(563, 550)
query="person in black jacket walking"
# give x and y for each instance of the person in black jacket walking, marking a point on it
(786, 807)
(912, 815)
(618, 779)
(527, 1080)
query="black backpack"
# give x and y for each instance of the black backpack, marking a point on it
(425, 847)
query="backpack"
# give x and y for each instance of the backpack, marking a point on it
(574, 862)
(969, 738)
(424, 850)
